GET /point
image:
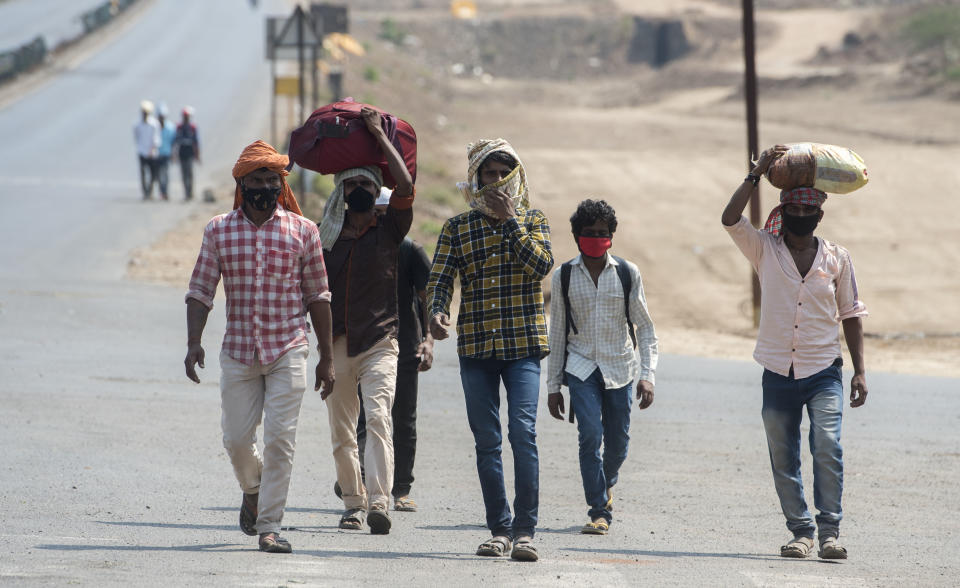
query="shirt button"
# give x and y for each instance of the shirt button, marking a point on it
(493, 306)
(799, 304)
(494, 255)
(793, 350)
(796, 326)
(803, 281)
(494, 330)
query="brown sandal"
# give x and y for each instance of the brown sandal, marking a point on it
(248, 514)
(798, 547)
(273, 543)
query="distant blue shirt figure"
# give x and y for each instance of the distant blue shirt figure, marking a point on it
(168, 132)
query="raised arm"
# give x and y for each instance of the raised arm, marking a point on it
(747, 188)
(394, 161)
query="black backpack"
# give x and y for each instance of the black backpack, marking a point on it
(626, 280)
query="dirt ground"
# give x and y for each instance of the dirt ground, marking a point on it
(666, 147)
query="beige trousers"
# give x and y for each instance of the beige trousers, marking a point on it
(271, 393)
(376, 371)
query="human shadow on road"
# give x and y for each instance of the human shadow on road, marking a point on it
(637, 552)
(461, 527)
(329, 511)
(218, 547)
(170, 525)
(387, 554)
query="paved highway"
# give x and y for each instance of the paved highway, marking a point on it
(112, 471)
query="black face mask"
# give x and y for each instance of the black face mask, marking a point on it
(359, 200)
(800, 226)
(261, 199)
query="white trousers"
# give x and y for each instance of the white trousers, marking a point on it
(271, 393)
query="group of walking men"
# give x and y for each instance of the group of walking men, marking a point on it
(375, 313)
(158, 141)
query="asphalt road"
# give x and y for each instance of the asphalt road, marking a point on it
(113, 471)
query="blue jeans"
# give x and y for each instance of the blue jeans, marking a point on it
(481, 389)
(603, 417)
(783, 402)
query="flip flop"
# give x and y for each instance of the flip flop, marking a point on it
(404, 504)
(798, 547)
(494, 547)
(596, 527)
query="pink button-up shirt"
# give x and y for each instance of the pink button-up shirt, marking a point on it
(271, 273)
(799, 315)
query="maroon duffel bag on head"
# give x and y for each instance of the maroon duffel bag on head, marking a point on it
(335, 138)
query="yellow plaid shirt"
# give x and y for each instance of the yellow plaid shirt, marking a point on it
(500, 268)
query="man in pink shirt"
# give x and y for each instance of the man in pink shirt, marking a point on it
(271, 262)
(808, 288)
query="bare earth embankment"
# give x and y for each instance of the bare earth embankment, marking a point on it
(666, 146)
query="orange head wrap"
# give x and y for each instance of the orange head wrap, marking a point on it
(258, 155)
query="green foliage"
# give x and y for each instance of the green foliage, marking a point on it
(440, 195)
(323, 185)
(953, 73)
(390, 31)
(934, 26)
(371, 74)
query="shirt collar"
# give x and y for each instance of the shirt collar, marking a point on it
(578, 260)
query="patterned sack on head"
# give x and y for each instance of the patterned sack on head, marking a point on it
(827, 168)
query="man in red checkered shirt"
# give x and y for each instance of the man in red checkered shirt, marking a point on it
(271, 262)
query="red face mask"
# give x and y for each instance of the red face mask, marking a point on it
(594, 246)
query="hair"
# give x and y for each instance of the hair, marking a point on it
(591, 211)
(500, 157)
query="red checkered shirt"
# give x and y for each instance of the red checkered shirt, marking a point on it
(271, 274)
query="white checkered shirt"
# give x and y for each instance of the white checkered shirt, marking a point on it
(603, 338)
(271, 274)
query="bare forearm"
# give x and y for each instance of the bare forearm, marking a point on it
(322, 320)
(398, 169)
(853, 333)
(196, 320)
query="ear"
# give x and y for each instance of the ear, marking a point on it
(820, 215)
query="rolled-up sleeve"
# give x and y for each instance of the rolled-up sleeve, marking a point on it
(206, 272)
(849, 304)
(748, 239)
(313, 270)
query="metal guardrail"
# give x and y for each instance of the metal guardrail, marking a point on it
(24, 58)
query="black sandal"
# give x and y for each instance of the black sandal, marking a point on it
(273, 543)
(352, 519)
(248, 514)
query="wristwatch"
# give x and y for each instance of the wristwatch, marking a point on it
(752, 178)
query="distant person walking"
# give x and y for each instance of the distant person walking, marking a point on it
(603, 340)
(146, 137)
(273, 273)
(362, 249)
(808, 288)
(187, 149)
(168, 133)
(501, 251)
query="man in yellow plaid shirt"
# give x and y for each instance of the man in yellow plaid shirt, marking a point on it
(501, 251)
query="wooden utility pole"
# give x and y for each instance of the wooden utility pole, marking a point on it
(753, 142)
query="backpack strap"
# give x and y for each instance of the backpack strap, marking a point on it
(626, 280)
(565, 291)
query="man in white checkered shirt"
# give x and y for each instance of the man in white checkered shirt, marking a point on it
(601, 358)
(271, 262)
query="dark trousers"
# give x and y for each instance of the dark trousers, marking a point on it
(186, 173)
(404, 415)
(147, 175)
(161, 169)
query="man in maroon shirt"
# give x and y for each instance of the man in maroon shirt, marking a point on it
(362, 261)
